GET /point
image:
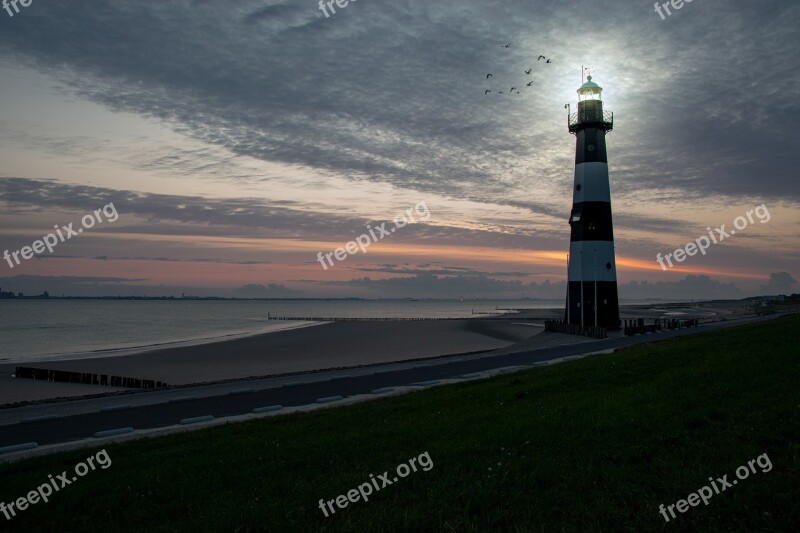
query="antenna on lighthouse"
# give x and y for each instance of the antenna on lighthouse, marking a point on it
(583, 72)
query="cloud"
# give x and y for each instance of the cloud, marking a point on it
(388, 96)
(420, 285)
(95, 286)
(443, 271)
(190, 260)
(779, 283)
(691, 287)
(272, 290)
(432, 285)
(195, 215)
(427, 285)
(393, 92)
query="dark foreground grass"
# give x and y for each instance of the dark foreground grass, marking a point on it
(591, 445)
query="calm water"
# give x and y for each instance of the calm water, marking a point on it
(32, 329)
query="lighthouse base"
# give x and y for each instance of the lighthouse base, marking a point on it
(581, 296)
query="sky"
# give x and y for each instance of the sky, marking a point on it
(238, 140)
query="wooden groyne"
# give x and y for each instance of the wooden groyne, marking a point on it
(86, 378)
(559, 326)
(637, 326)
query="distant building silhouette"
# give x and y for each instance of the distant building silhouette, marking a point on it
(6, 295)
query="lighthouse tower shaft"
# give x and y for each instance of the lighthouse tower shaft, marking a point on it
(592, 273)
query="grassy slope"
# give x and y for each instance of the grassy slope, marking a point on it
(595, 444)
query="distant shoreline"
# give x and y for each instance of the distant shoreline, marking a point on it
(349, 299)
(187, 298)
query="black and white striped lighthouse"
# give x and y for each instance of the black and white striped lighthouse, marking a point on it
(591, 271)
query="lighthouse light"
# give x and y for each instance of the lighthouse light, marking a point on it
(589, 91)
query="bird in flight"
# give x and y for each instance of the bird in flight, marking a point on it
(505, 45)
(530, 83)
(488, 76)
(548, 61)
(540, 58)
(487, 91)
(512, 89)
(529, 70)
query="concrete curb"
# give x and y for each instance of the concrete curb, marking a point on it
(18, 447)
(267, 409)
(181, 399)
(196, 419)
(329, 399)
(42, 418)
(112, 432)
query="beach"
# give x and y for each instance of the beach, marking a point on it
(322, 346)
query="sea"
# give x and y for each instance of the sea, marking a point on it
(45, 329)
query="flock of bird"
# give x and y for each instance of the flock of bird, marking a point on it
(528, 72)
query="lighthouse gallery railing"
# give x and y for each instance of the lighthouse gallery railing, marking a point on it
(590, 118)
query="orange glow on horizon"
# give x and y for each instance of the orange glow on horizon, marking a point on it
(295, 260)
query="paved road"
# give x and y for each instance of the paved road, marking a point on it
(84, 425)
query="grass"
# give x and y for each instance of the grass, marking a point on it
(591, 445)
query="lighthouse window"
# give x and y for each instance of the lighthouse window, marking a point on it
(590, 148)
(608, 266)
(592, 226)
(578, 187)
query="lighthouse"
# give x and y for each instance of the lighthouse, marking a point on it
(591, 269)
